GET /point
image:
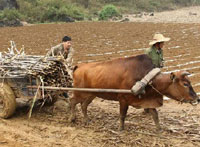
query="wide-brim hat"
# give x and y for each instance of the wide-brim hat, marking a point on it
(158, 38)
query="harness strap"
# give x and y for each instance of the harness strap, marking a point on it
(165, 95)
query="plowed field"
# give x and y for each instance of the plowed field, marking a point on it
(99, 41)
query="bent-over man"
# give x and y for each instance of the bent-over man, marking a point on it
(63, 49)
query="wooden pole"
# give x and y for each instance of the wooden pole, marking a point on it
(83, 89)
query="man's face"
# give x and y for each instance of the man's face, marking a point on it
(161, 44)
(67, 45)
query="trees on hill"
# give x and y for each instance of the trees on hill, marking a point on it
(8, 4)
(34, 11)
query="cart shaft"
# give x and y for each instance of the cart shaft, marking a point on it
(82, 89)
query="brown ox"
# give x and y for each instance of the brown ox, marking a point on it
(123, 73)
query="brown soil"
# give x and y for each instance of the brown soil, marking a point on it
(98, 41)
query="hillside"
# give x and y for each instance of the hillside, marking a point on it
(47, 11)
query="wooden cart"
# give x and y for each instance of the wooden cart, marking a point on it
(21, 76)
(18, 71)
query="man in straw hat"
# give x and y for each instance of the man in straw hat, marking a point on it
(156, 52)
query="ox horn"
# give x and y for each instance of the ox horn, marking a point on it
(185, 73)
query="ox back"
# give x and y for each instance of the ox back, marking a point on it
(121, 73)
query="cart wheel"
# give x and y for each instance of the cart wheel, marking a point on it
(7, 101)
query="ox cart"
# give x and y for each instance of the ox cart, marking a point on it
(39, 77)
(29, 81)
(27, 86)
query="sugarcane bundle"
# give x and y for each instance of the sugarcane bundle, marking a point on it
(51, 71)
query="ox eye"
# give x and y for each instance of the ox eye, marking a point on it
(186, 85)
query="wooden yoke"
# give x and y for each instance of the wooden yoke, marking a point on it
(138, 88)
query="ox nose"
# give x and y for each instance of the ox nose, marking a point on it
(195, 101)
(198, 100)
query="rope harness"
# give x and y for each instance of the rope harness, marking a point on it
(181, 100)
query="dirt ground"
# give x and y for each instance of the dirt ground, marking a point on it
(99, 41)
(184, 15)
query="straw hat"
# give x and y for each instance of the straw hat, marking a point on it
(158, 38)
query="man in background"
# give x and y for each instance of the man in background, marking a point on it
(63, 49)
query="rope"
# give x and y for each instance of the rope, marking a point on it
(156, 90)
(165, 95)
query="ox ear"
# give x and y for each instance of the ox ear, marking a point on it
(172, 76)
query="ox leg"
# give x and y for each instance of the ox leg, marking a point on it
(84, 106)
(154, 114)
(123, 112)
(73, 103)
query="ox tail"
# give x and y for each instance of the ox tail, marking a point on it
(75, 67)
